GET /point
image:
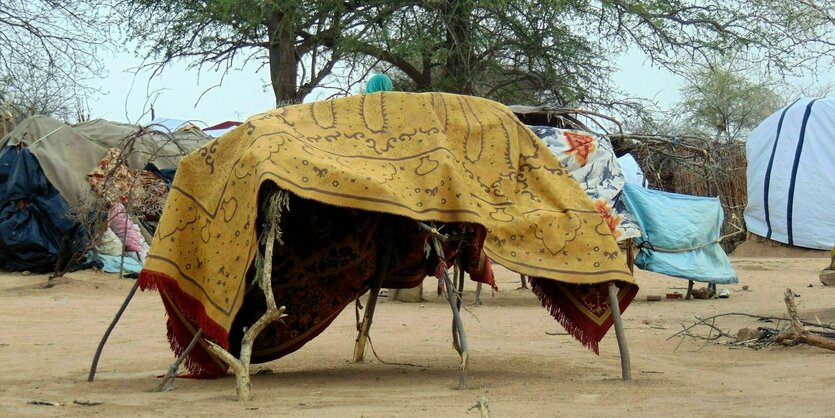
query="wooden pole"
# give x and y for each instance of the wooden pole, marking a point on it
(240, 366)
(461, 340)
(478, 293)
(167, 382)
(365, 326)
(626, 367)
(106, 335)
(689, 290)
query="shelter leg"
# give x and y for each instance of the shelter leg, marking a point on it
(167, 382)
(461, 340)
(106, 335)
(625, 364)
(689, 290)
(241, 365)
(365, 325)
(523, 279)
(478, 293)
(458, 283)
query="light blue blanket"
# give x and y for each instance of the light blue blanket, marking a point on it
(673, 221)
(111, 264)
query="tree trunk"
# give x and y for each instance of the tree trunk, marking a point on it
(458, 64)
(282, 55)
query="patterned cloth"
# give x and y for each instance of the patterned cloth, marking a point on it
(592, 162)
(112, 179)
(462, 161)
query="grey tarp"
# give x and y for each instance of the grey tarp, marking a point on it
(67, 153)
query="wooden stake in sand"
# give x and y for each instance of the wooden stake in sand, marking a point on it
(106, 335)
(167, 382)
(625, 364)
(241, 366)
(459, 337)
(365, 326)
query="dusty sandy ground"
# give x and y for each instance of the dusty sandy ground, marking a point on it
(48, 337)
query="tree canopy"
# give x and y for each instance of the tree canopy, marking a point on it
(558, 52)
(721, 102)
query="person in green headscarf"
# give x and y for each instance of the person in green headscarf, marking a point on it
(379, 82)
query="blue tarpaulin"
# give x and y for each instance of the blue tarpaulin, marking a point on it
(35, 229)
(671, 221)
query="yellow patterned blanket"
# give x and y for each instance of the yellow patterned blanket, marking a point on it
(430, 157)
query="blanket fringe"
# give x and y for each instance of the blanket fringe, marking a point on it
(548, 294)
(199, 362)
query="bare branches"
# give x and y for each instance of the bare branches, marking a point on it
(795, 331)
(48, 53)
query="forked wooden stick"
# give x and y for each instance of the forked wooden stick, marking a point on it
(461, 341)
(241, 366)
(365, 325)
(797, 333)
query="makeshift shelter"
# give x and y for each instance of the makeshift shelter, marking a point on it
(791, 175)
(364, 178)
(44, 168)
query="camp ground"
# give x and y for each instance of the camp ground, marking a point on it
(275, 239)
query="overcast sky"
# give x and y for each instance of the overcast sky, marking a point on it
(126, 95)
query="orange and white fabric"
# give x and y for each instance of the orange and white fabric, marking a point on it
(591, 161)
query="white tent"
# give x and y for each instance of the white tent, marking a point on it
(791, 175)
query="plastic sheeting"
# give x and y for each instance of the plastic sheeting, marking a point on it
(673, 221)
(632, 171)
(791, 175)
(35, 230)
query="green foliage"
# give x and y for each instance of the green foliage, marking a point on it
(556, 52)
(723, 103)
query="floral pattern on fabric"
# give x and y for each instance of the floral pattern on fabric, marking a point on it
(112, 180)
(592, 162)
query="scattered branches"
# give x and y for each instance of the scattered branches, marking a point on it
(794, 331)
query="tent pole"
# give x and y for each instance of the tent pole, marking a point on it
(452, 295)
(106, 335)
(478, 293)
(167, 382)
(689, 290)
(626, 367)
(365, 325)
